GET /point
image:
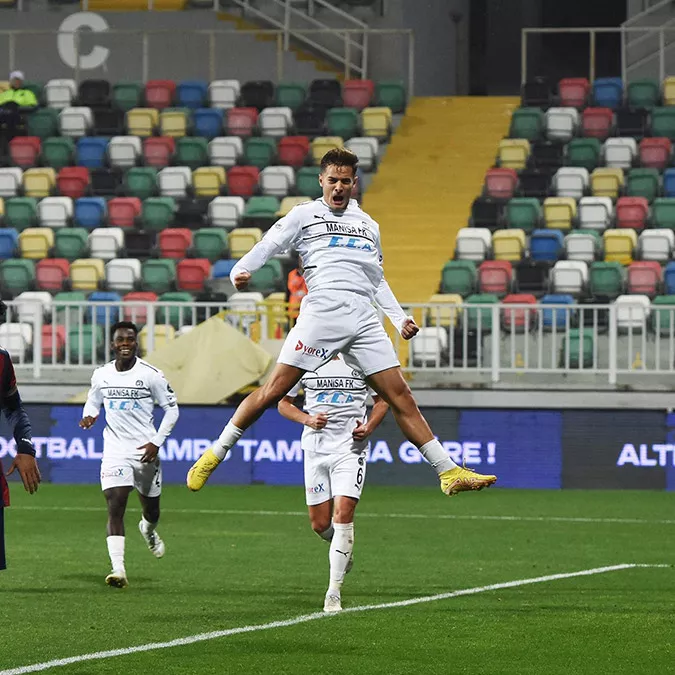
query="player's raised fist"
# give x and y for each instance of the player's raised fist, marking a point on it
(241, 281)
(317, 421)
(409, 329)
(87, 422)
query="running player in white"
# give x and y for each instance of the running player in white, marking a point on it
(334, 444)
(339, 245)
(128, 388)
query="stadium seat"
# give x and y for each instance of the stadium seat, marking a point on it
(21, 212)
(326, 93)
(208, 122)
(662, 318)
(480, 318)
(242, 240)
(242, 181)
(192, 94)
(91, 152)
(17, 276)
(631, 123)
(430, 348)
(138, 313)
(376, 122)
(43, 123)
(561, 124)
(607, 182)
(261, 212)
(191, 152)
(508, 244)
(358, 94)
(288, 203)
(459, 276)
(172, 314)
(158, 151)
(226, 211)
(51, 273)
(142, 121)
(322, 144)
(86, 273)
(445, 311)
(608, 92)
(159, 275)
(619, 245)
(225, 151)
(569, 277)
(275, 121)
(656, 245)
(620, 153)
(528, 123)
(557, 318)
(536, 93)
(192, 273)
(583, 152)
(85, 344)
(17, 338)
(513, 153)
(495, 276)
(94, 93)
(60, 94)
(160, 94)
(71, 243)
(105, 182)
(632, 212)
(571, 181)
(643, 183)
(655, 153)
(573, 92)
(584, 245)
(175, 181)
(577, 348)
(310, 120)
(222, 268)
(104, 308)
(546, 245)
(473, 243)
(500, 183)
(366, 150)
(391, 94)
(209, 243)
(523, 213)
(343, 122)
(53, 343)
(9, 242)
(39, 182)
(669, 183)
(58, 152)
(175, 122)
(291, 95)
(268, 279)
(669, 278)
(123, 211)
(76, 122)
(24, 151)
(125, 151)
(157, 213)
(260, 152)
(174, 242)
(192, 212)
(547, 156)
(209, 181)
(644, 93)
(606, 279)
(597, 123)
(241, 121)
(595, 213)
(106, 242)
(36, 242)
(632, 313)
(277, 181)
(518, 319)
(10, 181)
(73, 181)
(141, 182)
(122, 274)
(644, 277)
(293, 150)
(307, 182)
(663, 123)
(257, 94)
(127, 95)
(90, 212)
(560, 212)
(160, 335)
(485, 212)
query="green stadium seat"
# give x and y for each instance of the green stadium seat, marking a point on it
(260, 151)
(127, 95)
(44, 122)
(663, 123)
(584, 152)
(17, 275)
(269, 278)
(343, 122)
(85, 343)
(192, 152)
(158, 213)
(523, 213)
(69, 314)
(210, 243)
(459, 276)
(480, 317)
(663, 212)
(58, 152)
(21, 212)
(391, 94)
(291, 95)
(261, 212)
(528, 123)
(606, 279)
(71, 243)
(579, 342)
(159, 275)
(662, 321)
(307, 182)
(173, 315)
(644, 94)
(141, 182)
(643, 183)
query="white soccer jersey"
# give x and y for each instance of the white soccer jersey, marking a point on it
(129, 399)
(341, 393)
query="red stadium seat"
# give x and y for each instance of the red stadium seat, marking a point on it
(242, 181)
(53, 342)
(655, 153)
(573, 92)
(139, 315)
(24, 151)
(632, 212)
(241, 121)
(293, 150)
(123, 211)
(192, 273)
(644, 277)
(50, 273)
(500, 183)
(519, 318)
(157, 151)
(73, 181)
(174, 242)
(357, 93)
(597, 122)
(160, 93)
(495, 276)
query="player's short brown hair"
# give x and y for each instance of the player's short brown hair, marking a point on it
(340, 157)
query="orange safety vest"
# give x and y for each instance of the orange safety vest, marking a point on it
(297, 290)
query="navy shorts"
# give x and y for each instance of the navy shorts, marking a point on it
(3, 562)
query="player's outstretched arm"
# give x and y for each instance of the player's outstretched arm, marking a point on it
(290, 411)
(380, 408)
(387, 302)
(166, 399)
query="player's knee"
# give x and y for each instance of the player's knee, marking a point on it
(344, 513)
(320, 524)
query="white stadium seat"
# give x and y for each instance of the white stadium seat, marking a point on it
(657, 245)
(277, 181)
(16, 338)
(105, 242)
(561, 123)
(246, 301)
(632, 312)
(124, 151)
(224, 93)
(225, 151)
(275, 121)
(619, 153)
(571, 181)
(75, 122)
(580, 246)
(121, 274)
(55, 211)
(430, 347)
(32, 304)
(569, 277)
(10, 181)
(175, 181)
(60, 93)
(366, 150)
(226, 211)
(595, 213)
(473, 243)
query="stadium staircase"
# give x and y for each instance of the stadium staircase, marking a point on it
(424, 187)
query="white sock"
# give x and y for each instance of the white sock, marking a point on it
(341, 548)
(148, 527)
(437, 456)
(328, 533)
(116, 552)
(226, 440)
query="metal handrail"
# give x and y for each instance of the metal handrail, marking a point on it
(646, 12)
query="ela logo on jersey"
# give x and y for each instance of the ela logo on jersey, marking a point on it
(350, 242)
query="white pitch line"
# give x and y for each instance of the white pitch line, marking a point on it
(203, 637)
(366, 514)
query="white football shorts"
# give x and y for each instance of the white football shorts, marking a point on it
(332, 322)
(339, 474)
(130, 472)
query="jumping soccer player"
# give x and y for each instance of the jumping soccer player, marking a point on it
(128, 388)
(339, 245)
(334, 443)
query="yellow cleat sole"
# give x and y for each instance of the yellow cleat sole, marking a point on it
(465, 481)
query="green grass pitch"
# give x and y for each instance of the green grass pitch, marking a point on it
(227, 566)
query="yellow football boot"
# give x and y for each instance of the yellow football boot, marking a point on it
(201, 470)
(461, 479)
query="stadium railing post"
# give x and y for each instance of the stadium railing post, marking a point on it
(495, 343)
(612, 344)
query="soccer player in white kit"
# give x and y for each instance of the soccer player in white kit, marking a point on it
(339, 245)
(128, 388)
(334, 444)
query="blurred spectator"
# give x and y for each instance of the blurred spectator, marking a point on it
(297, 290)
(14, 103)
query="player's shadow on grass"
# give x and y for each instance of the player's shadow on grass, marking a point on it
(99, 580)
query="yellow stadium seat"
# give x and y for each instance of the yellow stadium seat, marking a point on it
(208, 181)
(606, 182)
(86, 273)
(2, 207)
(514, 153)
(39, 182)
(173, 123)
(287, 203)
(142, 121)
(161, 334)
(508, 244)
(449, 314)
(620, 245)
(376, 122)
(322, 144)
(243, 239)
(559, 212)
(669, 91)
(35, 242)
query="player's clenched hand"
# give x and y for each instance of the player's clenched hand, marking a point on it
(409, 329)
(317, 421)
(150, 454)
(28, 470)
(241, 281)
(87, 422)
(361, 431)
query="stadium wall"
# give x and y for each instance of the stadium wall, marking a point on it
(541, 449)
